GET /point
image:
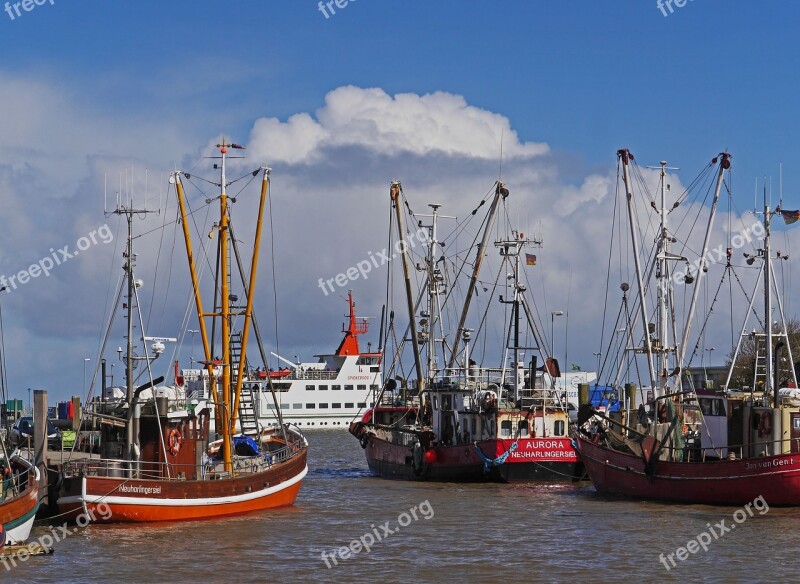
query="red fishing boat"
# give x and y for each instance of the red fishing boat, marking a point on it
(689, 445)
(155, 462)
(465, 423)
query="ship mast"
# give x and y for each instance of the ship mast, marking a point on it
(130, 261)
(228, 400)
(394, 192)
(500, 191)
(768, 381)
(625, 156)
(512, 248)
(433, 316)
(724, 164)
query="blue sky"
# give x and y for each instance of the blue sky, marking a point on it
(92, 86)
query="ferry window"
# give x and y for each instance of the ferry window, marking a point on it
(348, 387)
(284, 406)
(336, 387)
(362, 404)
(558, 428)
(323, 388)
(505, 429)
(297, 406)
(373, 387)
(362, 387)
(311, 406)
(336, 405)
(348, 405)
(323, 406)
(309, 388)
(522, 429)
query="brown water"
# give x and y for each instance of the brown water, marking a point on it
(481, 533)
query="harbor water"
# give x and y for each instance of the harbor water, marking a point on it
(430, 532)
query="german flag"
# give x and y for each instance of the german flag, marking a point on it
(790, 217)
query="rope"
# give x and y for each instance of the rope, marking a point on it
(489, 463)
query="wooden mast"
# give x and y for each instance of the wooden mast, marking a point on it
(394, 193)
(223, 403)
(250, 294)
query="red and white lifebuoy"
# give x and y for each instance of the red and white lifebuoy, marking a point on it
(175, 442)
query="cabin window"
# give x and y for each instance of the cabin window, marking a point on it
(362, 404)
(505, 429)
(374, 369)
(309, 388)
(362, 387)
(284, 406)
(336, 405)
(558, 428)
(349, 405)
(323, 406)
(711, 407)
(348, 387)
(297, 406)
(373, 387)
(311, 406)
(323, 388)
(522, 429)
(447, 402)
(336, 387)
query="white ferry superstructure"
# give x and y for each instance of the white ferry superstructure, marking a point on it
(328, 393)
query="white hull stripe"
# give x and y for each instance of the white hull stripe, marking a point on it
(157, 502)
(20, 533)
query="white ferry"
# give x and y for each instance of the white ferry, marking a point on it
(327, 393)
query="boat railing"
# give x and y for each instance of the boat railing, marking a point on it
(210, 468)
(691, 453)
(15, 482)
(314, 374)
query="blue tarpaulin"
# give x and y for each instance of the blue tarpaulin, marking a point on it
(245, 446)
(604, 396)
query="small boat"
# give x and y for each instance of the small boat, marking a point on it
(156, 462)
(19, 499)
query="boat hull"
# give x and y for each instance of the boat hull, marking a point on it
(397, 461)
(17, 513)
(723, 482)
(122, 500)
(536, 459)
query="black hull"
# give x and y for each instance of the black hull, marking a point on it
(444, 474)
(389, 460)
(541, 471)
